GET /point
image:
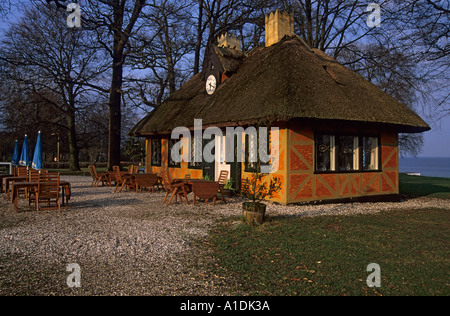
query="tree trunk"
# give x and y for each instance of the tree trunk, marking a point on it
(198, 45)
(74, 164)
(169, 57)
(121, 37)
(115, 115)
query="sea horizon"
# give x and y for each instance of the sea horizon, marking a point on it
(426, 166)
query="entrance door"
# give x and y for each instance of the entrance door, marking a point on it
(235, 167)
(209, 167)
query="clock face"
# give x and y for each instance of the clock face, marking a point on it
(211, 84)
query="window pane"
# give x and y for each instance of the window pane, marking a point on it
(156, 152)
(324, 153)
(346, 153)
(222, 149)
(264, 147)
(172, 163)
(251, 152)
(370, 153)
(196, 153)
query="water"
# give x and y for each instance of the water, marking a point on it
(431, 167)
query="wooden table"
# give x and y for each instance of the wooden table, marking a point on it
(205, 190)
(127, 180)
(204, 195)
(9, 180)
(16, 186)
(146, 180)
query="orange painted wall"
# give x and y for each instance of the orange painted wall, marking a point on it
(174, 172)
(281, 173)
(305, 185)
(296, 168)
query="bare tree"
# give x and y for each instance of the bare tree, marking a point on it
(48, 57)
(407, 56)
(114, 21)
(161, 52)
(424, 28)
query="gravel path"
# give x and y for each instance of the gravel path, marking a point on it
(129, 243)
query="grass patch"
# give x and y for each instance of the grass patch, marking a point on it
(328, 255)
(425, 186)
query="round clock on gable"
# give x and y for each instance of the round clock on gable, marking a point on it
(211, 84)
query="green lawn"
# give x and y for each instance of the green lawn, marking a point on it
(328, 255)
(425, 186)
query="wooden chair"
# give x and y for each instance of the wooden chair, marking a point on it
(22, 171)
(223, 176)
(48, 191)
(111, 177)
(145, 180)
(122, 180)
(205, 191)
(97, 177)
(159, 183)
(33, 176)
(93, 176)
(175, 189)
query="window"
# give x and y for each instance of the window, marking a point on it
(172, 163)
(156, 152)
(346, 153)
(325, 153)
(370, 155)
(347, 147)
(253, 144)
(195, 149)
(251, 153)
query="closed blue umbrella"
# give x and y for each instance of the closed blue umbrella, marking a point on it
(37, 158)
(15, 157)
(24, 156)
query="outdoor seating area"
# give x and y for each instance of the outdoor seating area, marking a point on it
(42, 189)
(46, 190)
(135, 180)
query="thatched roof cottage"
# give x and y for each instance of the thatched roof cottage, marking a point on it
(337, 132)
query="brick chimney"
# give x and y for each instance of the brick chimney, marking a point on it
(278, 25)
(228, 41)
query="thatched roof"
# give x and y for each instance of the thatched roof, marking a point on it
(285, 81)
(230, 59)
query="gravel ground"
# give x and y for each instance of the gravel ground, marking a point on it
(130, 243)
